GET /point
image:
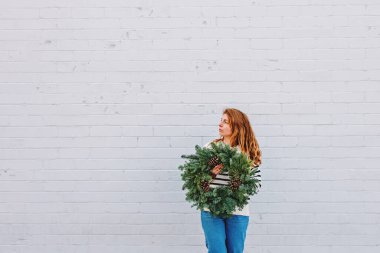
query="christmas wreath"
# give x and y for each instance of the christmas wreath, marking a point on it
(202, 168)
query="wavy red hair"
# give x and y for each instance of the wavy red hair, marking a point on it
(243, 135)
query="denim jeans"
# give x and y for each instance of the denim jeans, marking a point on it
(224, 235)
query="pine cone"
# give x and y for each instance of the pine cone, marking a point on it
(235, 183)
(205, 186)
(214, 161)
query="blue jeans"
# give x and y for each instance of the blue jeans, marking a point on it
(224, 235)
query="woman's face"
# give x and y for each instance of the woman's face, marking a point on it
(224, 126)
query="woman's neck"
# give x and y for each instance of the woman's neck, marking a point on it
(226, 140)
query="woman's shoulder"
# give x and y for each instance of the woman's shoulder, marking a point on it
(208, 144)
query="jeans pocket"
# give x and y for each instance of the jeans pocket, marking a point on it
(239, 219)
(206, 214)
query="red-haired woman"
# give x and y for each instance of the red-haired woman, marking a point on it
(227, 235)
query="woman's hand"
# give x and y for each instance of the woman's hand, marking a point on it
(216, 170)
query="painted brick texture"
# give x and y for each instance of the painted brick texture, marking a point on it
(99, 99)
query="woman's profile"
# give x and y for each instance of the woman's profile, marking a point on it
(227, 235)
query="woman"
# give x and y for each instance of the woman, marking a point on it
(228, 235)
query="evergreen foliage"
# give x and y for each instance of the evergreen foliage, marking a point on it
(196, 174)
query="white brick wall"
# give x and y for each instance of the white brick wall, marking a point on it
(98, 100)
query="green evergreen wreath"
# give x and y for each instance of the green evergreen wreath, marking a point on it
(197, 173)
